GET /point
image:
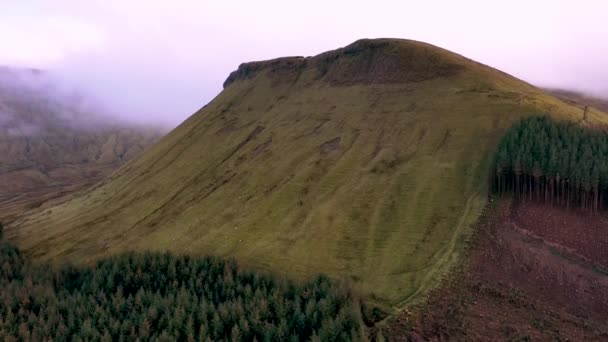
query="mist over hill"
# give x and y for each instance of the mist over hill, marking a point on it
(582, 99)
(52, 137)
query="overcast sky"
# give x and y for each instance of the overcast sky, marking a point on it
(162, 60)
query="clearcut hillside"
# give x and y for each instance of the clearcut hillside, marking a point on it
(367, 163)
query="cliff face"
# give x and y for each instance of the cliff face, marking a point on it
(366, 61)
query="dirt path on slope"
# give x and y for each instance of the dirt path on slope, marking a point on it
(447, 256)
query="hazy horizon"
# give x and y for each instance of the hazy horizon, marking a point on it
(160, 62)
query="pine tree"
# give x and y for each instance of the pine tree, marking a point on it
(126, 298)
(556, 162)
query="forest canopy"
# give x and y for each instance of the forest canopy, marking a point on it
(558, 162)
(164, 297)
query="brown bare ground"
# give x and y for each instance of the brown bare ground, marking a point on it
(583, 233)
(534, 272)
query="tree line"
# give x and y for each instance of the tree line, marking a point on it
(164, 297)
(555, 162)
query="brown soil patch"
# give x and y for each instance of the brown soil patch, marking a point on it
(330, 146)
(528, 278)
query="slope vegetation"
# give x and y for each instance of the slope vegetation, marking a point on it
(369, 162)
(154, 297)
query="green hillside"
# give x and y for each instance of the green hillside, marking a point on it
(368, 163)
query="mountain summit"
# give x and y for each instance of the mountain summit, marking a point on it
(369, 162)
(366, 61)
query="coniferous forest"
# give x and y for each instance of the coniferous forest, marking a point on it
(162, 297)
(555, 162)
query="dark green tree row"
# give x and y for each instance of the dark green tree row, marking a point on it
(556, 162)
(162, 297)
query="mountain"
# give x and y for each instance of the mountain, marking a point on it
(52, 142)
(367, 163)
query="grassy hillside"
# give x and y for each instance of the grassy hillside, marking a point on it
(368, 163)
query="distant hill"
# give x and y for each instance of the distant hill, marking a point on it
(51, 142)
(581, 99)
(367, 163)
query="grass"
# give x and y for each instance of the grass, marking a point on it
(388, 207)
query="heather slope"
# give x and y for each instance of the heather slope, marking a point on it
(534, 271)
(368, 163)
